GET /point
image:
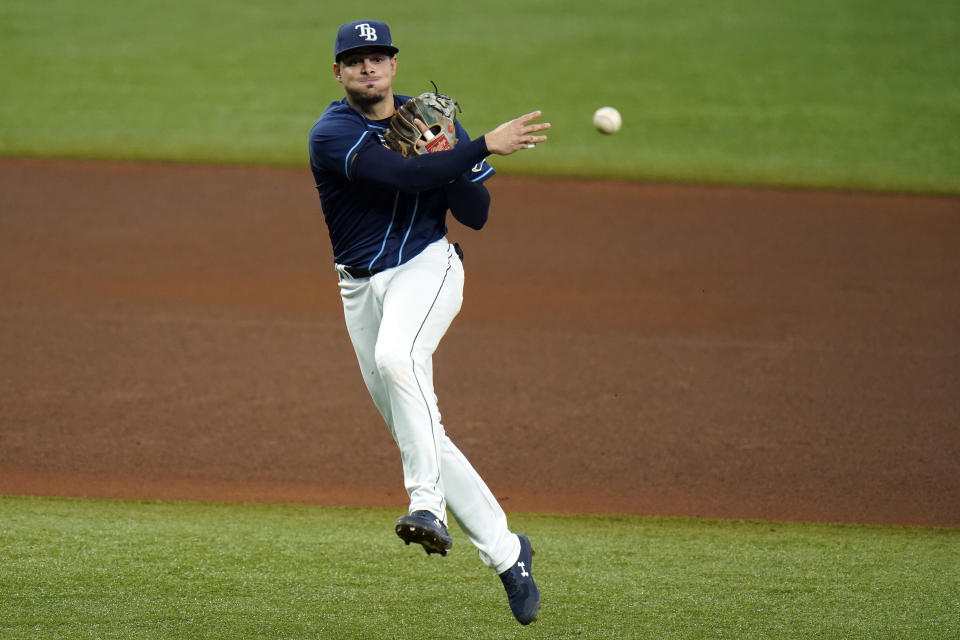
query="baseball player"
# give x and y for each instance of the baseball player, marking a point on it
(401, 283)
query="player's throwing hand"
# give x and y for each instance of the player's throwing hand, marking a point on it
(516, 134)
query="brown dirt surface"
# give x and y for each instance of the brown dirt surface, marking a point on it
(175, 332)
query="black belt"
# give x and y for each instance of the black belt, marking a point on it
(359, 272)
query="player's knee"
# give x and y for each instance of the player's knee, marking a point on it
(394, 365)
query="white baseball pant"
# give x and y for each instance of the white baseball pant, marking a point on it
(396, 319)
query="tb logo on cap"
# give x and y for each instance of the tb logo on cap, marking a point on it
(367, 32)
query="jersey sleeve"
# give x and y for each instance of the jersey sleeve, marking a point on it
(335, 143)
(347, 147)
(482, 170)
(375, 163)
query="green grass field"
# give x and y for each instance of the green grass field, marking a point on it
(122, 569)
(827, 93)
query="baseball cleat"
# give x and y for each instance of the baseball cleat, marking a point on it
(424, 528)
(522, 591)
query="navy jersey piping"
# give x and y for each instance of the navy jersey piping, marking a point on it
(480, 177)
(413, 218)
(386, 235)
(346, 160)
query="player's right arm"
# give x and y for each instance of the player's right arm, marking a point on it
(349, 148)
(375, 163)
(418, 173)
(339, 143)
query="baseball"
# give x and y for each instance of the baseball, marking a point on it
(607, 120)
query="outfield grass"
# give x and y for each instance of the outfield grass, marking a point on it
(123, 569)
(829, 93)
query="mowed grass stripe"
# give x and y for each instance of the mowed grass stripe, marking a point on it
(827, 93)
(127, 569)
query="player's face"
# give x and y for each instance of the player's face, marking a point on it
(366, 75)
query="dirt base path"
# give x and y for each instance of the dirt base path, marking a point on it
(174, 331)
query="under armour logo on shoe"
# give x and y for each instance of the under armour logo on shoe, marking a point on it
(523, 570)
(367, 32)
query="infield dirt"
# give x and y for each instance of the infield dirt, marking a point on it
(175, 332)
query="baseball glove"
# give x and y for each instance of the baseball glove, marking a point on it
(437, 112)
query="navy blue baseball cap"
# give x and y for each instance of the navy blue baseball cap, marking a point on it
(362, 33)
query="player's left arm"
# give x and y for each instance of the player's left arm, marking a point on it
(469, 202)
(467, 197)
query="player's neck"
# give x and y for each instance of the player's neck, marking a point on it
(373, 109)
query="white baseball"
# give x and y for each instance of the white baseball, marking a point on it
(607, 120)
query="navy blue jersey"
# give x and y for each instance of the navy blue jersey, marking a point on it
(382, 209)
